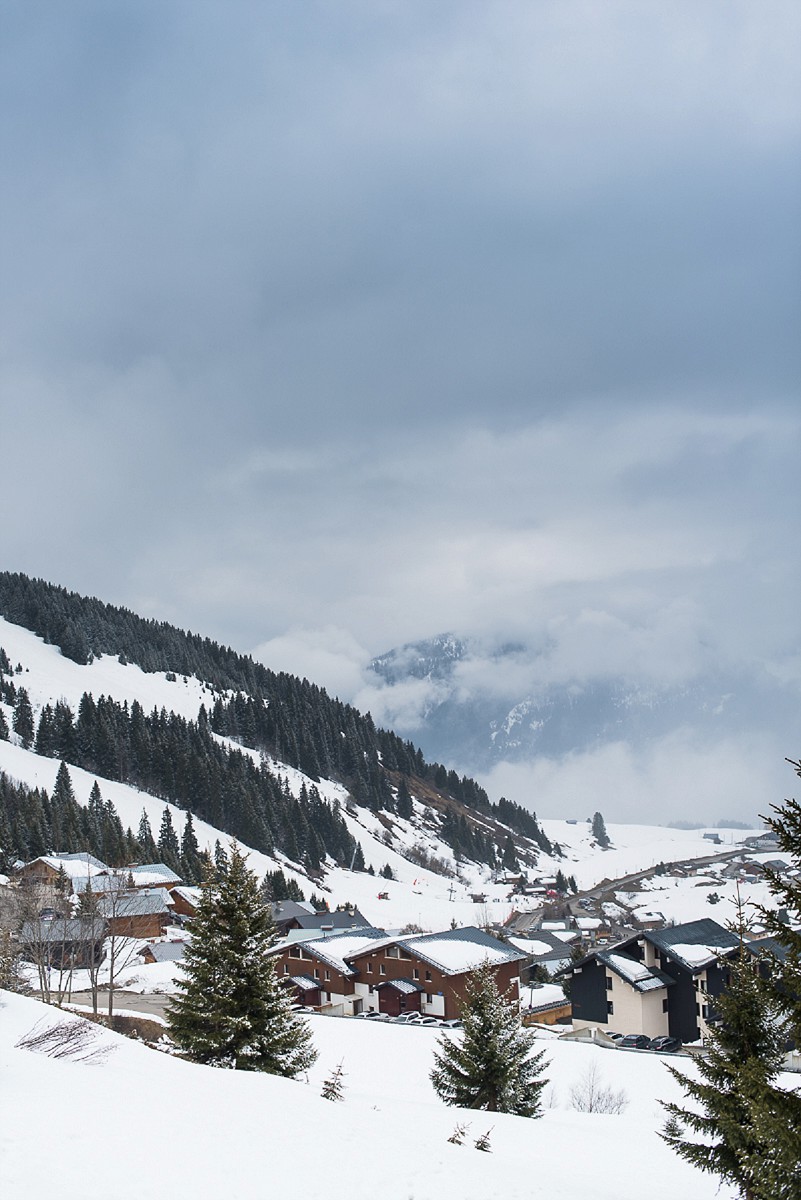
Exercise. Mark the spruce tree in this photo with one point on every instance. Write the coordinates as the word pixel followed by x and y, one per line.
pixel 599 831
pixel 231 1010
pixel 776 1112
pixel 735 1081
pixel 145 838
pixel 190 852
pixel 169 847
pixel 22 720
pixel 492 1065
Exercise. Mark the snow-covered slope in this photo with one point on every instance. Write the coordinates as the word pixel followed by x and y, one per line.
pixel 100 1127
pixel 416 895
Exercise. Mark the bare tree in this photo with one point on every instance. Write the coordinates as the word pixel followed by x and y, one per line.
pixel 122 945
pixel 591 1094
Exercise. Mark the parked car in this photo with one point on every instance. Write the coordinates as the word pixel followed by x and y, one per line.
pixel 635 1041
pixel 616 1037
pixel 453 1023
pixel 407 1018
pixel 666 1045
pixel 428 1021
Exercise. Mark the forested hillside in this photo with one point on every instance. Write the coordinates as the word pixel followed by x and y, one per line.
pixel 206 765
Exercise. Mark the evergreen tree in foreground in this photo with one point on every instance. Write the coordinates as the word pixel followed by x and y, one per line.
pixel 231 1010
pixel 731 1112
pixel 491 1066
pixel 776 1112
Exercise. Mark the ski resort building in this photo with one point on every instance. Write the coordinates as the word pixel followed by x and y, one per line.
pixel 367 970
pixel 656 982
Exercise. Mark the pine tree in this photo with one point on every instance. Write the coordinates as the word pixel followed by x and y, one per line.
pixel 168 847
pixel 190 852
pixel 146 840
pixel 230 1010
pixel 735 1080
pixel 509 860
pixel 22 720
pixel 599 831
pixel 776 1112
pixel 491 1066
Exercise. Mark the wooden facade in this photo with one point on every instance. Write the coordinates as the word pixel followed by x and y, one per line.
pixel 442 993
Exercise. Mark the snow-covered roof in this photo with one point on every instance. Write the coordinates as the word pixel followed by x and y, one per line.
pixel 458 950
pixel 333 949
pixel 588 923
pixel 541 997
pixel 167 951
pixel 534 948
pixel 73 865
pixel 694 944
pixel 134 904
pixel 697 956
pixel 62 929
pixel 153 873
pixel 641 978
pixel 407 986
pixel 304 983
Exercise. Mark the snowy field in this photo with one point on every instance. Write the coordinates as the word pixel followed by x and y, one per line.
pixel 103 1128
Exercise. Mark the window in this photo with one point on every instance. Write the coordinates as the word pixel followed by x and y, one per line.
pixel 328 997
pixel 392 952
pixel 296 952
pixel 369 968
pixel 428 976
pixel 705 1011
pixel 316 973
pixel 665 1004
pixel 286 969
pixel 610 1008
pixel 416 973
pixel 609 983
pixel 382 970
pixel 328 974
pixel 429 998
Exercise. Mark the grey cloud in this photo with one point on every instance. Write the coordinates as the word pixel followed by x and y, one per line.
pixel 331 326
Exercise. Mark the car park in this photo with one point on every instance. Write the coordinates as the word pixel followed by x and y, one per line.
pixel 666 1045
pixel 635 1041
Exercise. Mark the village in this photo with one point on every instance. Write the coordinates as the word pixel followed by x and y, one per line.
pixel 598 963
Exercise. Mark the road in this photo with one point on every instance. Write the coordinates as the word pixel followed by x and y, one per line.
pixel 150 1004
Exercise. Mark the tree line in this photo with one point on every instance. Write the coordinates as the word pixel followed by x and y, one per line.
pixel 289 719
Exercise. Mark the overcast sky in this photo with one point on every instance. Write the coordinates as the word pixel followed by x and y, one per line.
pixel 331 326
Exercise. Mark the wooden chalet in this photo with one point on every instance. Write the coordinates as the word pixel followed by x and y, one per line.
pixel 430 973
pixel 365 970
pixel 184 900
pixel 63 942
pixel 316 969
pixel 141 914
